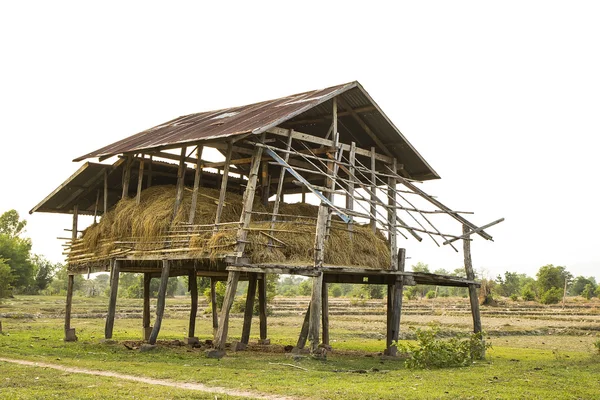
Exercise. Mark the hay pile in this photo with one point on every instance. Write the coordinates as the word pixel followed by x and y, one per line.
pixel 146 226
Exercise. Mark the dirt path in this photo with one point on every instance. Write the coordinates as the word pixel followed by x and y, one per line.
pixel 151 381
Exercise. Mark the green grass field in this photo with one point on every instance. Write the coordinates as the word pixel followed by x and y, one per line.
pixel 538 352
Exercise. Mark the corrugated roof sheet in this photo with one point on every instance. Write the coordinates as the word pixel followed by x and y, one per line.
pixel 259 117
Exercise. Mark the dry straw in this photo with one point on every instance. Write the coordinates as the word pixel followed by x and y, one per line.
pixel 150 226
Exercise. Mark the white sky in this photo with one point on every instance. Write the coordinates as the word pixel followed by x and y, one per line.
pixel 501 98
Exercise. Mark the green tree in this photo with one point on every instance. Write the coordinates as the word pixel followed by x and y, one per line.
pixel 580 283
pixel 11 225
pixel 44 272
pixel 16 252
pixel 549 277
pixel 59 283
pixel 6 279
pixel 588 291
pixel 305 287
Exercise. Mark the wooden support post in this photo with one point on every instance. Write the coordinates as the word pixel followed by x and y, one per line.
pixel 246 215
pixel 221 337
pixel 197 178
pixel 397 304
pixel 304 331
pixel 325 313
pixel 138 195
pixel 160 304
pixel 389 317
pixel 105 193
pixel 126 178
pixel 279 197
pixel 373 223
pixel 303 198
pixel 317 289
pixel 146 329
pixel 193 284
pixel 180 181
pixel 214 309
pixel 149 180
pixel 96 206
pixel 223 184
pixel 350 194
pixel 262 308
pixel 69 332
pixel 112 301
pixel 264 183
pixel 393 239
pixel 471 276
pixel 249 309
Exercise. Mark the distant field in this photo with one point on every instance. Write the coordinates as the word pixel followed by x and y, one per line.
pixel 538 351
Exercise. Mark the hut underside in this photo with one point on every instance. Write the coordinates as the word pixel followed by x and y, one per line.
pixel 331 155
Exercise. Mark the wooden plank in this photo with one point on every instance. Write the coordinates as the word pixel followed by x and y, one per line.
pixel 160 305
pixel 223 184
pixel 304 331
pixel 274 270
pixel 249 308
pixel 197 178
pixel 139 183
pixel 193 283
pixel 213 302
pixel 180 181
pixel 112 302
pixel 262 306
pixel 221 337
pixel 305 137
pixel 473 298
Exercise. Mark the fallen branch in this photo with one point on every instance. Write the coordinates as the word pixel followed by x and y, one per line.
pixel 289 365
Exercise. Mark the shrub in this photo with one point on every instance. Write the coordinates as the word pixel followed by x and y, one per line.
pixel 588 291
pixel 335 290
pixel 527 294
pixel 411 293
pixel 551 296
pixel 430 294
pixel 514 297
pixel 432 352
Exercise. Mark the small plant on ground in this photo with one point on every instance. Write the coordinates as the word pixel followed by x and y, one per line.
pixel 430 294
pixel 597 346
pixel 514 297
pixel 551 296
pixel 433 352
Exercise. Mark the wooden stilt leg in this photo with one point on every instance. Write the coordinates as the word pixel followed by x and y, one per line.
pixel 389 316
pixel 160 305
pixel 325 313
pixel 232 282
pixel 397 304
pixel 112 302
pixel 249 308
pixel 146 329
pixel 69 332
pixel 473 298
pixel 304 331
pixel 262 309
pixel 315 313
pixel 213 303
pixel 193 284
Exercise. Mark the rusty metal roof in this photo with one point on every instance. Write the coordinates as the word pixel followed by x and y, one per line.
pixel 305 112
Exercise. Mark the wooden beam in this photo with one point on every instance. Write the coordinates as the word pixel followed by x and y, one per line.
pixel 470 232
pixel 146 307
pixel 126 177
pixel 197 178
pixel 326 118
pixel 393 239
pixel 365 127
pixel 160 305
pixel 105 203
pixel 112 302
pixel 286 157
pixel 316 298
pixel 223 185
pixel 305 137
pixel 350 194
pixel 264 183
pixel 325 313
pixel 69 334
pixel 397 302
pixel 249 308
pixel 139 183
pixel 180 181
pixel 373 222
pixel 149 178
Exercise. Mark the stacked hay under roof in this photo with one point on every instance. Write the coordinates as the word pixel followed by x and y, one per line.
pixel 150 227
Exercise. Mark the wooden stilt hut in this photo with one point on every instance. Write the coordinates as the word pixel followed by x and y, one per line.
pixel 166 210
